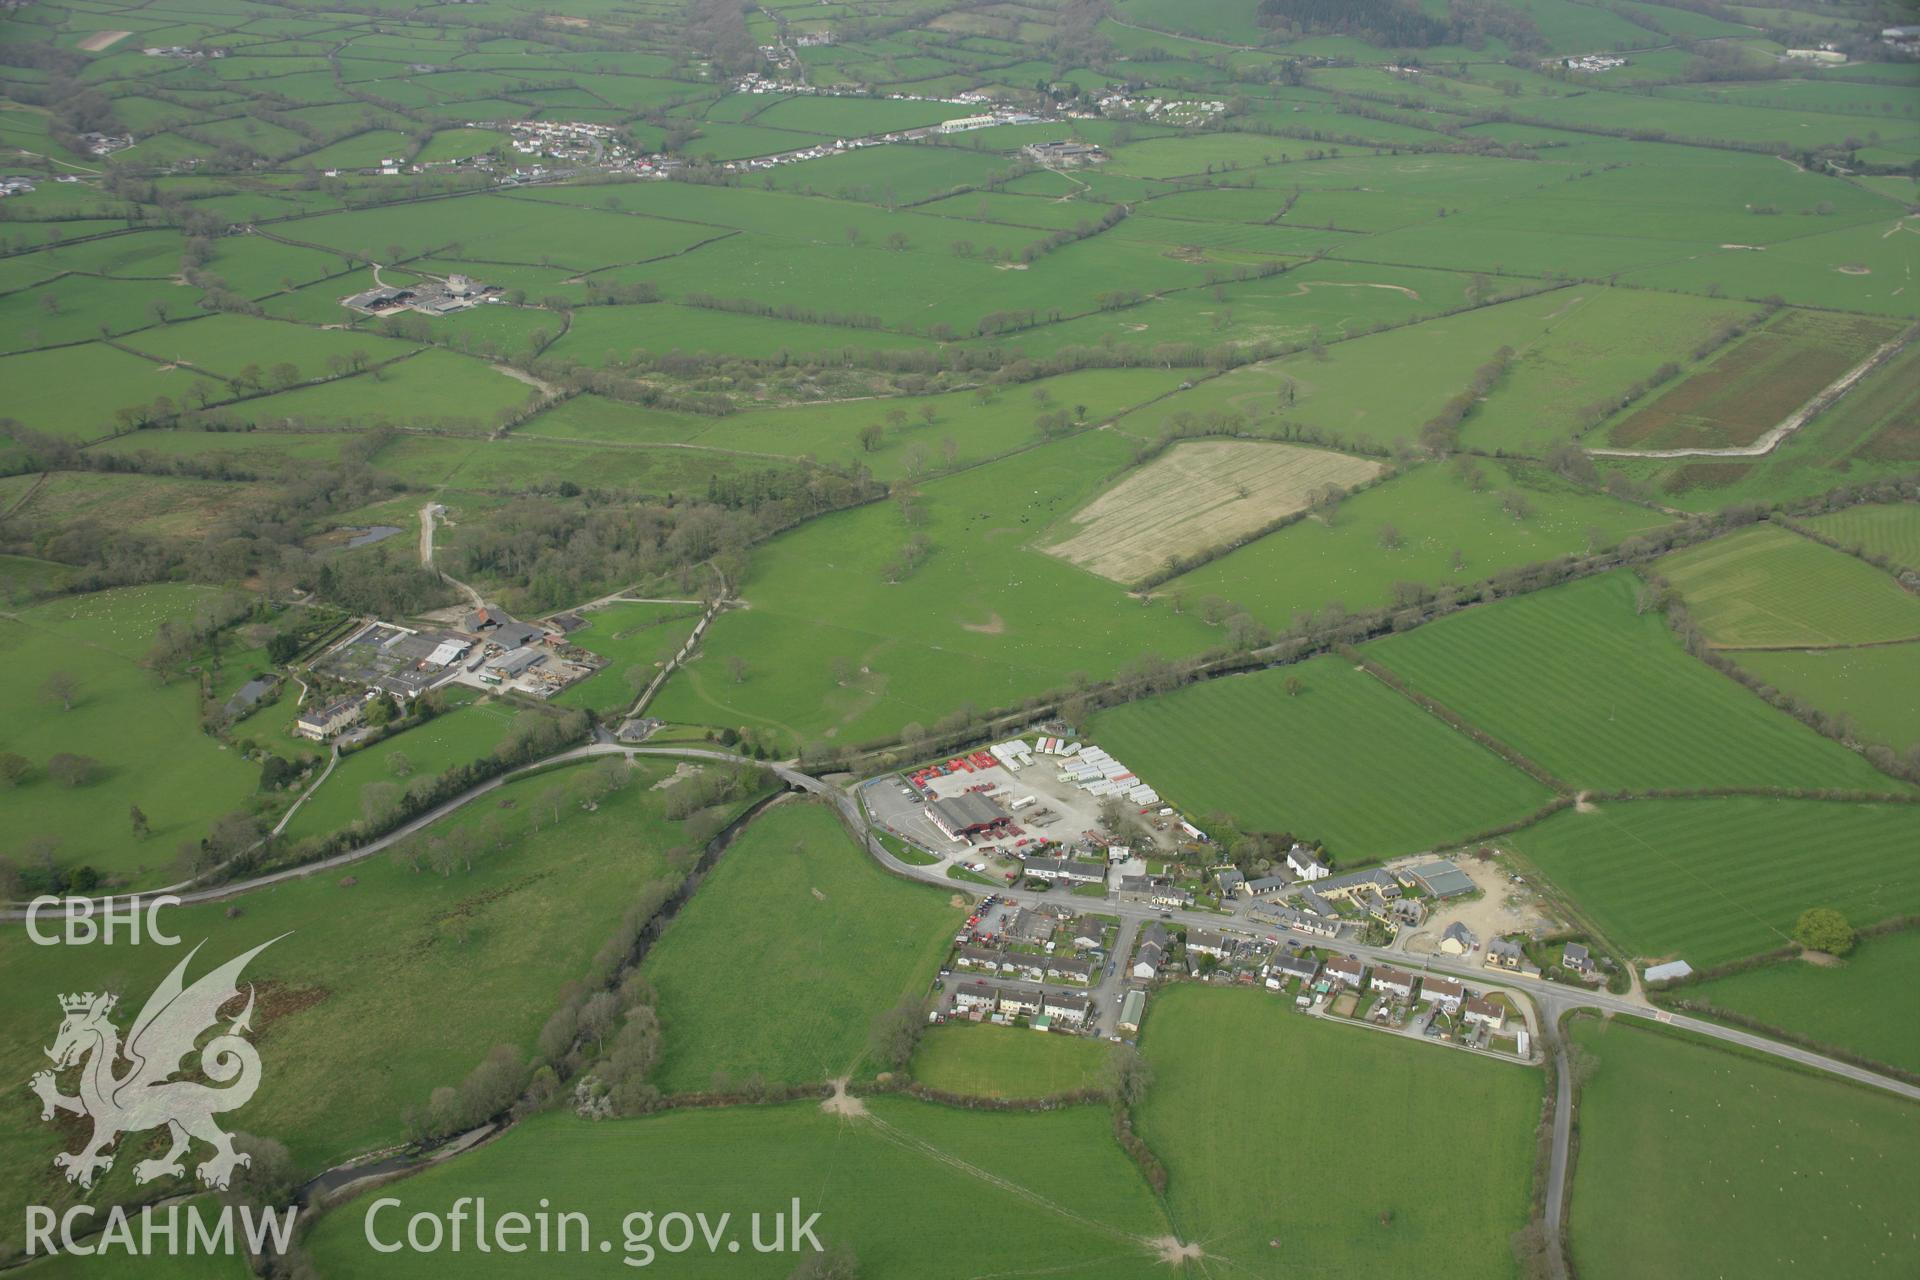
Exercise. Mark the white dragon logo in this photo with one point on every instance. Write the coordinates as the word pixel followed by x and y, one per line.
pixel 144 1096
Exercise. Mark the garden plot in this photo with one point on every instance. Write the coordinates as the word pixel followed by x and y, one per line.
pixel 1199 495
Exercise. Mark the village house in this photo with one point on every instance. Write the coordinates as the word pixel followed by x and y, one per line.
pixel 1458 940
pixel 1288 918
pixel 1355 885
pixel 1069 969
pixel 1305 864
pixel 972 996
pixel 1153 892
pixel 1503 953
pixel 1319 906
pixel 1485 1013
pixel 1577 958
pixel 1208 942
pixel 1150 954
pixel 328 720
pixel 1347 970
pixel 1068 1008
pixel 1304 967
pixel 982 959
pixel 1444 992
pixel 1016 1002
pixel 1230 881
pixel 1394 982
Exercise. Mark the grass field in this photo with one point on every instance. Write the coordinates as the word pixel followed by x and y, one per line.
pixel 458 736
pixel 1890 529
pixel 1370 1096
pixel 793 946
pixel 1198 495
pixel 494 945
pixel 143 733
pixel 1766 587
pixel 1790 1169
pixel 984 619
pixel 1347 761
pixel 1713 880
pixel 628 635
pixel 1878 689
pixel 906 1189
pixel 1604 697
pixel 1436 514
pixel 1586 355
pixel 1842 1005
pixel 1006 1062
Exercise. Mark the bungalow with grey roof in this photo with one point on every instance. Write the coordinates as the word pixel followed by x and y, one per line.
pixel 1303 967
pixel 1209 942
pixel 1266 887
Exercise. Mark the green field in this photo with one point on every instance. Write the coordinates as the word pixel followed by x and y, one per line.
pixel 1790 1169
pixel 1006 1062
pixel 1347 761
pixel 1441 520
pixel 1588 356
pixel 794 945
pixel 1371 1094
pixel 1877 689
pixel 985 619
pixel 906 1189
pixel 1842 1004
pixel 627 635
pixel 142 732
pixel 1889 529
pixel 1767 587
pixel 494 944
pixel 1604 697
pixel 1717 879
pixel 456 737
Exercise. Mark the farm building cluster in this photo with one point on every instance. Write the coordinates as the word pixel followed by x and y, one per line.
pixel 491 650
pixel 427 296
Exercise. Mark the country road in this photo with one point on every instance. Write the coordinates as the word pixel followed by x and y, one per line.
pixel 428 514
pixel 1552 1001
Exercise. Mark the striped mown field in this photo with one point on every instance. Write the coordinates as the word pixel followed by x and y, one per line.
pixel 1347 760
pixel 1891 529
pixel 1879 688
pixel 1766 586
pixel 1712 880
pixel 1606 698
